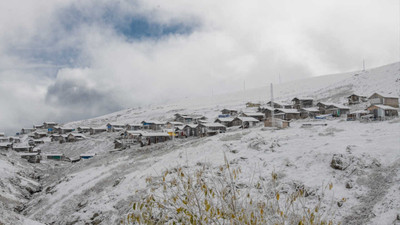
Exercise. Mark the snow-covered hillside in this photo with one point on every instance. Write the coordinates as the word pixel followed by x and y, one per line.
pixel 101 190
pixel 330 88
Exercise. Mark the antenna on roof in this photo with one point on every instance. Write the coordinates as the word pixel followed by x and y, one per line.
pixel 244 90
pixel 279 78
pixel 363 65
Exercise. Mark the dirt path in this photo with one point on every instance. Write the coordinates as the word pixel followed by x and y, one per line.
pixel 380 180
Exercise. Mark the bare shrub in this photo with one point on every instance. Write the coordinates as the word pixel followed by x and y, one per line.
pixel 208 196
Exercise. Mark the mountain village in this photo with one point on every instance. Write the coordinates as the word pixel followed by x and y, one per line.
pixel 374 108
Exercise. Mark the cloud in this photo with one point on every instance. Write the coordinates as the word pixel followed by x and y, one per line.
pixel 72 92
pixel 82 58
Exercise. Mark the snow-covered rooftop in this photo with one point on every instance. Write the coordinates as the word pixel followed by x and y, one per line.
pixel 225 119
pixel 386 107
pixel 247 119
pixel 291 111
pixel 311 109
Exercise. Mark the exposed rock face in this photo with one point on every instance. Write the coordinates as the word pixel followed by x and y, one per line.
pixel 349 185
pixel 340 162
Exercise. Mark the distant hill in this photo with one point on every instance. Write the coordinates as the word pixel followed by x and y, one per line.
pixel 332 88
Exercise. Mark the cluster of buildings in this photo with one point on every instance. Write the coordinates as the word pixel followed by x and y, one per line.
pixel 276 114
pixel 380 107
pixel 48 131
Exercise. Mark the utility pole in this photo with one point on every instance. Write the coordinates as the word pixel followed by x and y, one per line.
pixel 363 65
pixel 279 78
pixel 244 91
pixel 272 106
pixel 173 132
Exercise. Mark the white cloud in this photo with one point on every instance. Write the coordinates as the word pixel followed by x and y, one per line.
pixel 230 41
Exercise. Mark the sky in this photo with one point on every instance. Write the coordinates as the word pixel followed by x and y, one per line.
pixel 65 60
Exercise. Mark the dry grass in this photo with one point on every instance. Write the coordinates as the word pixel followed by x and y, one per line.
pixel 208 196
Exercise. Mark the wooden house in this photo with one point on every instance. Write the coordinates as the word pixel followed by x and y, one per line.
pixel 381 99
pixel 281 105
pixel 83 129
pixel 31 142
pixel 31 157
pixel 324 106
pixel 356 99
pixel 131 134
pixel 72 137
pixel 14 139
pixel 115 127
pixel 180 132
pixel 383 111
pixel 97 130
pixel 47 125
pixel 58 137
pixel 357 115
pixel 252 105
pixel 38 142
pixel 38 126
pixel 27 130
pixel 187 119
pixel 227 121
pixel 55 156
pixel 229 112
pixel 172 124
pixel 51 127
pixel 337 110
pixel 22 148
pixel 129 137
pixel 209 129
pixel 245 122
pixel 287 114
pixel 256 115
pixel 118 144
pixel 39 134
pixel 134 126
pixel 148 138
pixel 267 110
pixel 6 145
pixel 309 112
pixel 279 123
pixel 152 125
pixel 64 130
pixel 304 102
pixel 202 121
pixel 4 139
pixel 191 130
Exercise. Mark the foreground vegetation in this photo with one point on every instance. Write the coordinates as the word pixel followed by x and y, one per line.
pixel 215 196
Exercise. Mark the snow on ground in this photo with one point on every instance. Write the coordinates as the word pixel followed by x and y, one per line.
pixel 106 184
pixel 18 182
pixel 101 189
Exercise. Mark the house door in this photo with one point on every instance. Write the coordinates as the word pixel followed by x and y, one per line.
pixel 375 112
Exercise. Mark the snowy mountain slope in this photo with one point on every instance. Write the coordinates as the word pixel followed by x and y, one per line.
pixel 385 80
pixel 101 190
pixel 331 88
pixel 18 183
